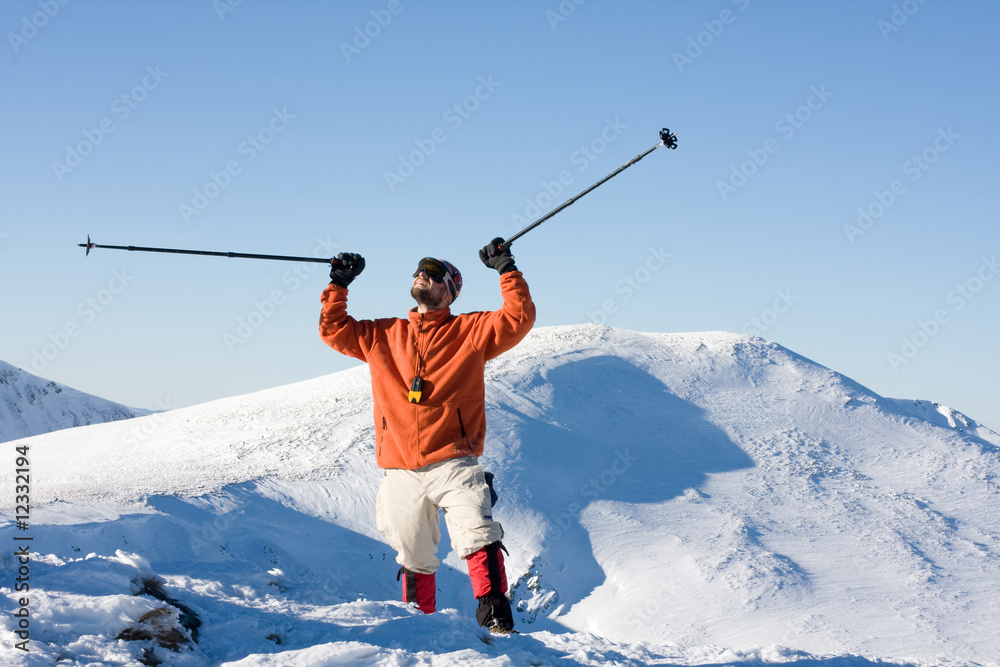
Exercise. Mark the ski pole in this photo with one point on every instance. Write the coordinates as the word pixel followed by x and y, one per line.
pixel 667 138
pixel 242 255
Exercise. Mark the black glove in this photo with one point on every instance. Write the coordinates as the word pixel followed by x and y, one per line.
pixel 497 257
pixel 345 268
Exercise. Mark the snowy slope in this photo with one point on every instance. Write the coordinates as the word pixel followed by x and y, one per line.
pixel 30 405
pixel 667 499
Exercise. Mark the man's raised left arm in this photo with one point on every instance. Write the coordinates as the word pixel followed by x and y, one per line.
pixel 505 328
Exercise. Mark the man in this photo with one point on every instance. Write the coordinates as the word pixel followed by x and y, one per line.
pixel 430 419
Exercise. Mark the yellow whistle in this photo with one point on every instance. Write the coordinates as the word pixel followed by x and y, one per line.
pixel 416 389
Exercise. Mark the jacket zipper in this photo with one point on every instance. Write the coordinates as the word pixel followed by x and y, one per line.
pixel 416 348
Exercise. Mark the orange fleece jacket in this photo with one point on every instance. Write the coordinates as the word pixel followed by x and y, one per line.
pixel 450 420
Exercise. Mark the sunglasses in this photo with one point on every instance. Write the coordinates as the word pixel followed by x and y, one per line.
pixel 434 269
pixel 438 273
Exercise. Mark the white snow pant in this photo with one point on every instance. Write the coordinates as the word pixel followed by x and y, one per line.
pixel 406 511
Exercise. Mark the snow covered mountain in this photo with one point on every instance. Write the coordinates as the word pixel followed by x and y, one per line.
pixel 705 498
pixel 30 405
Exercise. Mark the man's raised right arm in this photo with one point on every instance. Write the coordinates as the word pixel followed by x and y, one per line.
pixel 338 329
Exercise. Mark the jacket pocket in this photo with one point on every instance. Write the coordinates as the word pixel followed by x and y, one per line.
pixel 461 427
pixel 381 437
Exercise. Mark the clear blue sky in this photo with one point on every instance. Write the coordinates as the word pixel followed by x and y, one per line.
pixel 835 188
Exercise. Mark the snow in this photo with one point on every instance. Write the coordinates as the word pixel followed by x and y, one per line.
pixel 30 405
pixel 668 499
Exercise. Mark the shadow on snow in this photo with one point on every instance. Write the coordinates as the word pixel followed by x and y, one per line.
pixel 612 432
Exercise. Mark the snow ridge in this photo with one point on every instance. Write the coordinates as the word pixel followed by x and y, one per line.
pixel 30 405
pixel 703 498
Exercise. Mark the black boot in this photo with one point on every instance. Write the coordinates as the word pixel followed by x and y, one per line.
pixel 494 613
